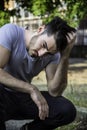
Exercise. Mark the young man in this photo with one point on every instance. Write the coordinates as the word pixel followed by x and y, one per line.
pixel 23 54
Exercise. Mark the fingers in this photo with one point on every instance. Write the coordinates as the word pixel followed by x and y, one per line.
pixel 71 37
pixel 43 110
pixel 41 103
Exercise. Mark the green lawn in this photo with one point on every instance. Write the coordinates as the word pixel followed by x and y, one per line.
pixel 77 94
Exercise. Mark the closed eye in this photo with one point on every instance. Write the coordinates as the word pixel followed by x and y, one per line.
pixel 45 45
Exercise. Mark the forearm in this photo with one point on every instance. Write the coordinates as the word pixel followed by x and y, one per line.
pixel 59 81
pixel 36 96
pixel 14 83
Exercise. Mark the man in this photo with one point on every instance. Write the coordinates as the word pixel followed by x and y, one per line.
pixel 23 54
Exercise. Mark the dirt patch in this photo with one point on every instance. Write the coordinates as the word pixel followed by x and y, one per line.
pixel 77 72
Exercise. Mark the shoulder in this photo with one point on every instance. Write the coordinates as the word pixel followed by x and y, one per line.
pixel 8 35
pixel 8 25
pixel 9 28
pixel 10 31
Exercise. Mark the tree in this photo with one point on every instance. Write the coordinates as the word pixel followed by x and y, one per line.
pixel 4 15
pixel 71 10
pixel 2 5
pixel 4 18
pixel 76 10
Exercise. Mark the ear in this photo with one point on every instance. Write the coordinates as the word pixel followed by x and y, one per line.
pixel 41 29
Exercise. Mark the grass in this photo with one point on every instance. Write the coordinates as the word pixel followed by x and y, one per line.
pixel 77 82
pixel 77 95
pixel 71 126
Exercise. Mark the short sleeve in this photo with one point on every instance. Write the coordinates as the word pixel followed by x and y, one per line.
pixel 8 35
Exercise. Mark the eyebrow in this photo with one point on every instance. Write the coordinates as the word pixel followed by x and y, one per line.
pixel 46 45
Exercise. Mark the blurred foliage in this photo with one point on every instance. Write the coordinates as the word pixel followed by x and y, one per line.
pixel 71 10
pixel 4 18
pixel 76 10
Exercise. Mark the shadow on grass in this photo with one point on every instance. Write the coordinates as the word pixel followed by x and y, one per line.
pixel 78 68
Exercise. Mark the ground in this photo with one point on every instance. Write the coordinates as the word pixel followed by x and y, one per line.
pixel 78 71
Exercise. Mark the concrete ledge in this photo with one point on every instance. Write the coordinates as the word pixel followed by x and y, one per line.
pixel 81 113
pixel 15 124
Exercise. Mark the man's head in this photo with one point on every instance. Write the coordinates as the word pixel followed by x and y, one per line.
pixel 50 39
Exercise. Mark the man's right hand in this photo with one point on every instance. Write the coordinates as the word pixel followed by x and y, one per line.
pixel 71 40
pixel 41 103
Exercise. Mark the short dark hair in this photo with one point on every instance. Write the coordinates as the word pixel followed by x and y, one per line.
pixel 60 29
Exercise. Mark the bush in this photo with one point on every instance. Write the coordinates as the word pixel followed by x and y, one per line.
pixel 4 18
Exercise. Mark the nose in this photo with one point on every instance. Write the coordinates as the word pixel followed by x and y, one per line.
pixel 42 52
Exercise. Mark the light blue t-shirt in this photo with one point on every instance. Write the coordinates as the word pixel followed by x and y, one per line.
pixel 21 65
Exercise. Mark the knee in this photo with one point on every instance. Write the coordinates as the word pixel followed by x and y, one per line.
pixel 68 112
pixel 62 114
pixel 66 115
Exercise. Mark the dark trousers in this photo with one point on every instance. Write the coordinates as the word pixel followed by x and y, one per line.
pixel 19 106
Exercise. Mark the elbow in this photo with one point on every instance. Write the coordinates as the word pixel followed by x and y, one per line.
pixel 57 90
pixel 53 93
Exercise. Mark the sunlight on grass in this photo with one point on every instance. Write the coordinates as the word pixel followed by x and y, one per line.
pixel 77 94
pixel 71 126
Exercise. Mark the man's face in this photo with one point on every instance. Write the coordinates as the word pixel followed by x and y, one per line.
pixel 41 45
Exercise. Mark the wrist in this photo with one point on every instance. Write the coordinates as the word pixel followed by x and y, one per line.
pixel 65 55
pixel 29 88
pixel 64 58
pixel 32 88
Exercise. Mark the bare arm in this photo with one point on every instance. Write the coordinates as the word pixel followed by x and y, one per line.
pixel 19 85
pixel 57 82
pixel 6 78
pixel 57 74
